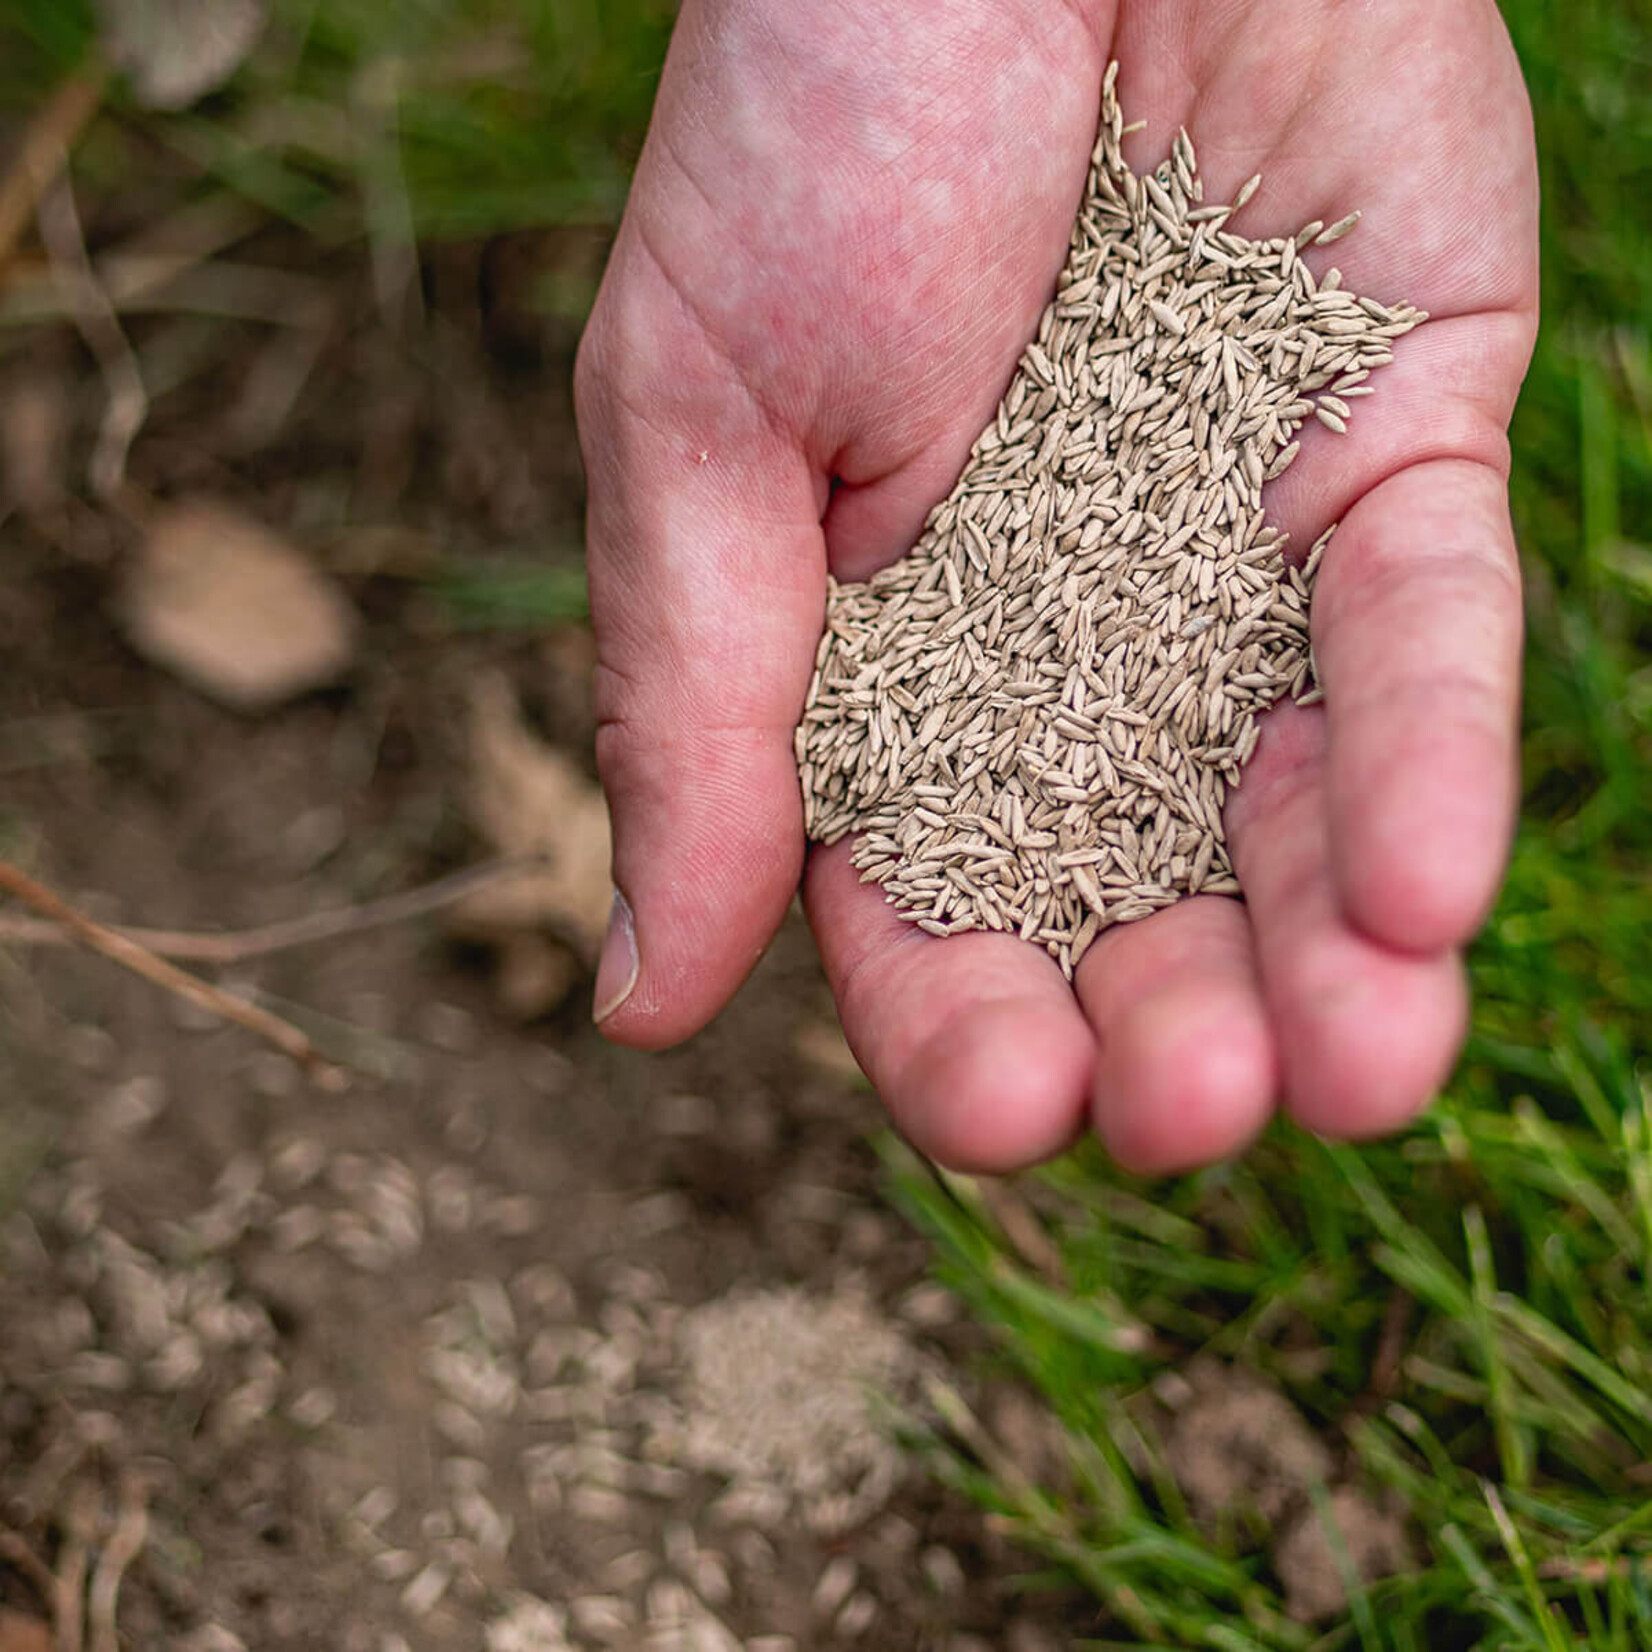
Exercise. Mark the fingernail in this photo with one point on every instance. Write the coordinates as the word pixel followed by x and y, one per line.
pixel 617 972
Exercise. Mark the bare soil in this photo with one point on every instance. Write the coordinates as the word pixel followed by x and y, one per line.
pixel 409 1367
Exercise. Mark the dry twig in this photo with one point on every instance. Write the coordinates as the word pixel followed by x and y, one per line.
pixel 100 326
pixel 191 988
pixel 44 148
pixel 81 1523
pixel 17 1553
pixel 124 1546
pixel 237 946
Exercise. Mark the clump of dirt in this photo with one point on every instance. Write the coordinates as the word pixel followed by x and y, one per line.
pixel 1239 1445
pixel 778 1395
pixel 1239 1449
pixel 1372 1541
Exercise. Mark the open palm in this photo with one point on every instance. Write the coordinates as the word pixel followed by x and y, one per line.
pixel 843 229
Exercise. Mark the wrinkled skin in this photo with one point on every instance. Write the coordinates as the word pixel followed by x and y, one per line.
pixel 845 224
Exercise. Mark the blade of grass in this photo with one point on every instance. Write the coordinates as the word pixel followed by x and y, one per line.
pixel 1512 1449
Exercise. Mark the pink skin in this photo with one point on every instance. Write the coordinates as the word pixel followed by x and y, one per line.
pixel 844 226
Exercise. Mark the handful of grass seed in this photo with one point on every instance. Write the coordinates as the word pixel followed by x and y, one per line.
pixel 1034 717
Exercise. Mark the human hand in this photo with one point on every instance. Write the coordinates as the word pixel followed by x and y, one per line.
pixel 843 229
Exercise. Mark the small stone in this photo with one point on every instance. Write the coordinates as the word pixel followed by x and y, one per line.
pixel 513 1215
pixel 374 1507
pixel 231 607
pixel 272 1075
pixel 314 1408
pixel 297 1162
pixel 942 1571
pixel 459 1427
pixel 172 59
pixel 127 1108
pixel 629 1570
pixel 466 1129
pixel 866 1234
pixel 91 1049
pixel 603 1617
pixel 834 1586
pixel 754 1552
pixel 421 1597
pixel 859 1613
pixel 543 1289
pixel 451 1197
pixel 896 1538
pixel 529 1625
pixel 600 1504
pixel 928 1306
pixel 709 1574
pixel 212 1637
pixel 297 1227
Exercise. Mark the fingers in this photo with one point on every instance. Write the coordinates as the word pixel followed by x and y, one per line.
pixel 1367 1034
pixel 974 1042
pixel 707 580
pixel 1417 633
pixel 1188 1071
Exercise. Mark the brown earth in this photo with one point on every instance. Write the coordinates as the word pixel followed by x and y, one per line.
pixel 523 1341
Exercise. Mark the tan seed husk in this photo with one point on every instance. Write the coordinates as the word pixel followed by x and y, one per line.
pixel 1034 717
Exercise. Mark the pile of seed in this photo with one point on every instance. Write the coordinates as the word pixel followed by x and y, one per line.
pixel 1035 716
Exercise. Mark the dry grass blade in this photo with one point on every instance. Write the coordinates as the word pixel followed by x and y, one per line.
pixel 100 326
pixel 80 1530
pixel 41 154
pixel 125 1544
pixel 129 955
pixel 17 1553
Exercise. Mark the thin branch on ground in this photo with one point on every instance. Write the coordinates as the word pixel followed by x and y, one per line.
pixel 99 325
pixel 41 155
pixel 81 1521
pixel 237 946
pixel 125 1544
pixel 17 1554
pixel 191 988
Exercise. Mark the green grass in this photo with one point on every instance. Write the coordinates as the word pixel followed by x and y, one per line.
pixel 1516 1221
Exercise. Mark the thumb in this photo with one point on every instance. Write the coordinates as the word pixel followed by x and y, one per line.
pixel 708 575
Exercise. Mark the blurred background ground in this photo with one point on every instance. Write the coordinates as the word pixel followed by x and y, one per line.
pixel 471 1354
pixel 402 1367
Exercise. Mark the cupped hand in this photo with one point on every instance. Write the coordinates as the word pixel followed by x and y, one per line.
pixel 844 226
